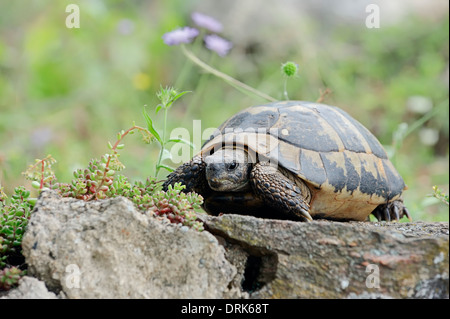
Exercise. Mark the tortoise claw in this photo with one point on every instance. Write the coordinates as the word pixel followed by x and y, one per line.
pixel 306 215
pixel 406 213
pixel 386 214
pixel 393 211
pixel 396 213
pixel 377 214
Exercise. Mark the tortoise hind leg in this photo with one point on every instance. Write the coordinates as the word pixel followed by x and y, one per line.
pixel 285 195
pixel 395 210
pixel 192 175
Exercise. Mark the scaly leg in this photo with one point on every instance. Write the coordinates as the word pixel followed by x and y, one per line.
pixel 191 174
pixel 286 195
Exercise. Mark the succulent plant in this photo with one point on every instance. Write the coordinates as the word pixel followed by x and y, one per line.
pixel 9 277
pixel 14 215
pixel 178 207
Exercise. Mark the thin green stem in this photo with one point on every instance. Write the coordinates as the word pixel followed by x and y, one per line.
pixel 114 152
pixel 163 147
pixel 230 80
pixel 163 144
pixel 285 89
pixel 165 125
pixel 159 161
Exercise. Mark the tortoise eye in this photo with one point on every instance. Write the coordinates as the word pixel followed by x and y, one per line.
pixel 232 165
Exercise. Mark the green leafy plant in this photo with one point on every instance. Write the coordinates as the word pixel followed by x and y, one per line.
pixel 167 97
pixel 439 194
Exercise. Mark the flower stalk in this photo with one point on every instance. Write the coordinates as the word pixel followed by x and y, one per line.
pixel 230 80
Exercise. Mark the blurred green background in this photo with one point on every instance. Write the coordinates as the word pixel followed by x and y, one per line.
pixel 67 92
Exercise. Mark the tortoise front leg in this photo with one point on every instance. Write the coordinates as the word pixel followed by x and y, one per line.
pixel 192 175
pixel 391 211
pixel 283 194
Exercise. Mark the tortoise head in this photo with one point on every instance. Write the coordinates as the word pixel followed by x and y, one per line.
pixel 228 170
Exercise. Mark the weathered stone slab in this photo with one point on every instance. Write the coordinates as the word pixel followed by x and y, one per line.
pixel 108 249
pixel 326 259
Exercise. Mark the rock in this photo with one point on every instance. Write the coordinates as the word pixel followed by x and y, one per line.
pixel 324 259
pixel 30 288
pixel 108 249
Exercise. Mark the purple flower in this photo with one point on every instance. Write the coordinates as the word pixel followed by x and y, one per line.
pixel 218 44
pixel 206 22
pixel 180 35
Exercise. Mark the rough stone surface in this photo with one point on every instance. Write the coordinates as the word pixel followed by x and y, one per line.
pixel 122 253
pixel 326 259
pixel 30 288
pixel 118 252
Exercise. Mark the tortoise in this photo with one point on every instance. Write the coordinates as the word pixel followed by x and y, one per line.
pixel 294 160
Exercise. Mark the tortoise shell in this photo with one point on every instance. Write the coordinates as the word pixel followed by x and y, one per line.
pixel 344 165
